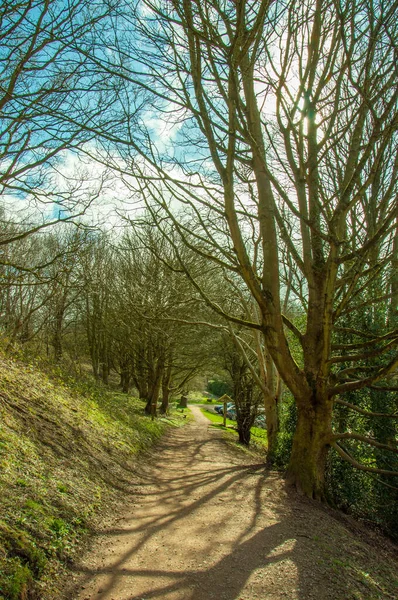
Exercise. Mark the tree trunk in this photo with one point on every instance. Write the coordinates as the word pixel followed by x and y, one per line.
pixel 151 405
pixel 311 441
pixel 164 407
pixel 244 426
pixel 141 384
pixel 95 363
pixel 125 381
pixel 105 369
pixel 393 308
pixel 272 424
pixel 244 417
pixel 57 342
pixel 271 390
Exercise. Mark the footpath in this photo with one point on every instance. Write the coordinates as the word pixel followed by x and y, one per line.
pixel 207 522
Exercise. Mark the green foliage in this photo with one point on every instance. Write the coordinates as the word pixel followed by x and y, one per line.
pixel 363 495
pixel 288 419
pixel 369 496
pixel 16 581
pixel 219 387
pixel 62 488
pixel 195 397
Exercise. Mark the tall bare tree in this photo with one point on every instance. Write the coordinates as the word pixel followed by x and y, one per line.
pixel 281 119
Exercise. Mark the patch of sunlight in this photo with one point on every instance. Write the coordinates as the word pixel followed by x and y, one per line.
pixel 278 571
pixel 285 547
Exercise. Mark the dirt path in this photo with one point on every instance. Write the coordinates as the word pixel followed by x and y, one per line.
pixel 206 523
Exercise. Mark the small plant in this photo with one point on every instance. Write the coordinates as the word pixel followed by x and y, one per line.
pixel 58 526
pixel 62 488
pixel 33 506
pixel 21 483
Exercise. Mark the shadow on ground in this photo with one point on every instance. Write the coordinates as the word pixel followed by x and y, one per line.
pixel 206 524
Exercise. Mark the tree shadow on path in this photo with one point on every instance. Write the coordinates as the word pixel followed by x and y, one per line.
pixel 205 528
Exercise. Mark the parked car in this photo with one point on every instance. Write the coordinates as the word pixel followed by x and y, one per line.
pixel 260 422
pixel 231 413
pixel 219 408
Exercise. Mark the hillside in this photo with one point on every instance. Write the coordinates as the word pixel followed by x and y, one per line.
pixel 67 451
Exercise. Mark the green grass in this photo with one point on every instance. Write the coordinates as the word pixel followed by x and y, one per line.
pixel 217 419
pixel 258 435
pixel 202 398
pixel 67 452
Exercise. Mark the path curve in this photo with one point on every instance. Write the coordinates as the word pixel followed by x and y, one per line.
pixel 206 523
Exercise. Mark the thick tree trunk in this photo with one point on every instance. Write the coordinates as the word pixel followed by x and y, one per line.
pixel 57 345
pixel 244 434
pixel 311 442
pixel 142 388
pixel 244 423
pixel 151 405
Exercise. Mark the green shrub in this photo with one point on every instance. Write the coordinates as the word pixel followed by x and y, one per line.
pixel 219 387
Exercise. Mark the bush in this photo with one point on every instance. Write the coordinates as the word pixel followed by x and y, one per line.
pixel 219 387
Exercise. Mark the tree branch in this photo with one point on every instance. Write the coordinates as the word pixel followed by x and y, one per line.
pixel 358 465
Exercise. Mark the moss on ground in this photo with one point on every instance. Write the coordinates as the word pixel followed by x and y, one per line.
pixel 67 450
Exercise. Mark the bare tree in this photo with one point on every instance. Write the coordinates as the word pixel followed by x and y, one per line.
pixel 285 118
pixel 48 96
pixel 166 347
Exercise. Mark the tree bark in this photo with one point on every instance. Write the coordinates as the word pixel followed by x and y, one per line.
pixel 151 405
pixel 244 422
pixel 164 407
pixel 125 381
pixel 311 442
pixel 272 423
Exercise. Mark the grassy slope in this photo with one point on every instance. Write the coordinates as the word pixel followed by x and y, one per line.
pixel 66 451
pixel 258 435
